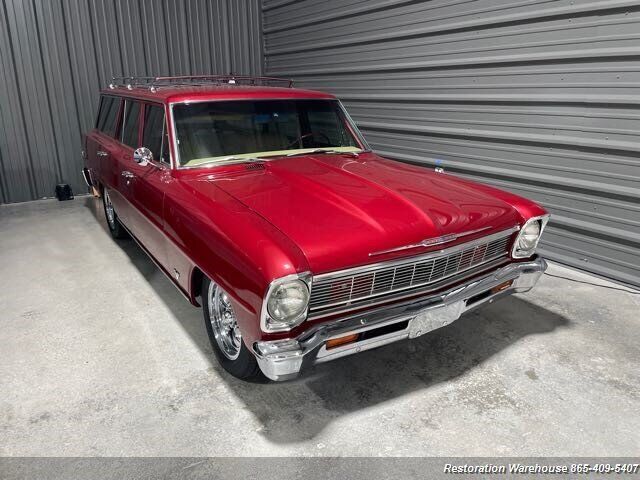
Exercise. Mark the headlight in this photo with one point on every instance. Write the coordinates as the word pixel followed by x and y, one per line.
pixel 529 236
pixel 286 304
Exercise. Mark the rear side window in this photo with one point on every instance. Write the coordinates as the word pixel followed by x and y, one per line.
pixel 131 124
pixel 154 133
pixel 108 115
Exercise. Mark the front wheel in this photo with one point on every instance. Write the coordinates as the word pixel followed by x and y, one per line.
pixel 224 333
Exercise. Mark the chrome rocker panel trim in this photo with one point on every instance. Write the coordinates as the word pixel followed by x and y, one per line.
pixel 284 359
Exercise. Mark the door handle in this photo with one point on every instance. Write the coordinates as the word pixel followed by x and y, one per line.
pixel 127 174
pixel 101 153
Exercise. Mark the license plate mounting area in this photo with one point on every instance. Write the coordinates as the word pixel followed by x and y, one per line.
pixel 433 318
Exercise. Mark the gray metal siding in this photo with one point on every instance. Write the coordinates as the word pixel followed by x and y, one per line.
pixel 56 55
pixel 541 98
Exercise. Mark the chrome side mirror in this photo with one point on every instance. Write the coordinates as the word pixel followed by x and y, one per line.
pixel 142 156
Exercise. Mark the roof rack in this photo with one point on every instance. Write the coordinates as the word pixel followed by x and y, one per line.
pixel 153 83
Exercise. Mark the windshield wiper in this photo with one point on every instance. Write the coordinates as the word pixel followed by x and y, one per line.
pixel 239 158
pixel 323 150
pixel 228 160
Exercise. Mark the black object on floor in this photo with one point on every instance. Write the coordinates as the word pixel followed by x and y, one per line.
pixel 64 192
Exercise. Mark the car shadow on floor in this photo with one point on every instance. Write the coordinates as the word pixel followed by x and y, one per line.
pixel 298 410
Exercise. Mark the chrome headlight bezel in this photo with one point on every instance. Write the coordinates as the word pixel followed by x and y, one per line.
pixel 269 324
pixel 516 251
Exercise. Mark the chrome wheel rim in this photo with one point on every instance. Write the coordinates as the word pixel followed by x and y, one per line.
pixel 223 322
pixel 108 209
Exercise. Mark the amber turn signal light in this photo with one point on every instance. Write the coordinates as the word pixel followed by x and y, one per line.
pixel 501 287
pixel 337 342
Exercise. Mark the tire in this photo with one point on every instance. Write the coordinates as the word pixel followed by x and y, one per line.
pixel 225 336
pixel 113 222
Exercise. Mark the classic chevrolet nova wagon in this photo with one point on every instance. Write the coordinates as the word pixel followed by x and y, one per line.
pixel 265 206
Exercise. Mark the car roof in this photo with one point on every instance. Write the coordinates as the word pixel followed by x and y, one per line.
pixel 189 93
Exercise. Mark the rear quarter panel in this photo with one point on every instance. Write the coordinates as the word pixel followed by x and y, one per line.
pixel 92 161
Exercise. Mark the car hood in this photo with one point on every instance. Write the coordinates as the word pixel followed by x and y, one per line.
pixel 344 211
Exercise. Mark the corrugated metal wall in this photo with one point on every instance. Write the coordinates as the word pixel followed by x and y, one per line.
pixel 538 97
pixel 56 54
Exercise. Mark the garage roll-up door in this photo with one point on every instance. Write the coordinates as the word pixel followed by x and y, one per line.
pixel 541 98
pixel 56 55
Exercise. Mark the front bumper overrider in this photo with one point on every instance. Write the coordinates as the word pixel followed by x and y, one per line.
pixel 284 359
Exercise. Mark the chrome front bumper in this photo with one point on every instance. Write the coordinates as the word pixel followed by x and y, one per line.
pixel 284 359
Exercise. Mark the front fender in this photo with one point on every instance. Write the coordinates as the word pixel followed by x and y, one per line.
pixel 233 246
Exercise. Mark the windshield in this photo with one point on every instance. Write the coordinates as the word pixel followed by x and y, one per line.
pixel 225 130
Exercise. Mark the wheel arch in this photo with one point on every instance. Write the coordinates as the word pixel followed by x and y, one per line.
pixel 195 285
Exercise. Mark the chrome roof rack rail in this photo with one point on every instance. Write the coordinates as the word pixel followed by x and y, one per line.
pixel 153 83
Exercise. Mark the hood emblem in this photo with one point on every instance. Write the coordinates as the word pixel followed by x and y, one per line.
pixel 430 242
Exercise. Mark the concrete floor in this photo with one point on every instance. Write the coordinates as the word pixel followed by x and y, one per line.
pixel 100 355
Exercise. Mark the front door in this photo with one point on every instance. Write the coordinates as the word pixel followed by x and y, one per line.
pixel 145 183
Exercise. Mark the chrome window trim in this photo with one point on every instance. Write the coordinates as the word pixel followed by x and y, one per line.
pixel 356 130
pixel 164 126
pixel 418 258
pixel 156 163
pixel 127 101
pixel 102 97
pixel 359 137
pixel 165 131
pixel 173 144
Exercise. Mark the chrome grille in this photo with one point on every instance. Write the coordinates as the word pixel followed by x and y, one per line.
pixel 354 285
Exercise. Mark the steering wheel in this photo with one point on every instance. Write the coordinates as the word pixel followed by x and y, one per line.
pixel 307 135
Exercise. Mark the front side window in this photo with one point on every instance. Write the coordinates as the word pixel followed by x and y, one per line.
pixel 154 133
pixel 108 115
pixel 131 124
pixel 215 131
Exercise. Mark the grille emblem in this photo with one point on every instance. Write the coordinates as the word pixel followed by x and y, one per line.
pixel 430 242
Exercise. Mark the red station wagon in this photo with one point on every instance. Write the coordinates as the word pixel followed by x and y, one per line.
pixel 264 204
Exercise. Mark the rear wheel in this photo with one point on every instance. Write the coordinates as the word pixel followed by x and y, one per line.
pixel 224 333
pixel 115 227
